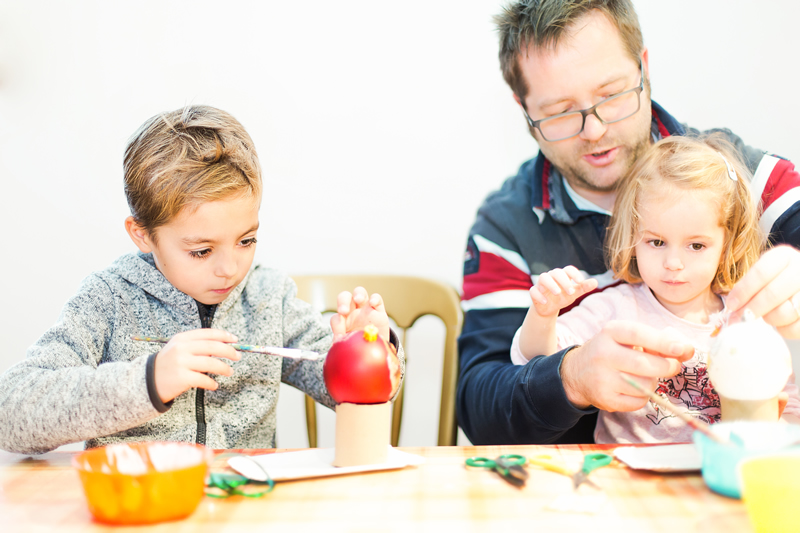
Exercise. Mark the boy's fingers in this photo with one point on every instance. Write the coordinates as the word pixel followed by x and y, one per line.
pixel 201 381
pixel 338 326
pixel 214 349
pixel 360 296
pixel 344 303
pixel 210 365
pixel 376 302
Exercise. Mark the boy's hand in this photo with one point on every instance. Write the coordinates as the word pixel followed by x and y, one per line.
pixel 186 359
pixel 558 288
pixel 356 310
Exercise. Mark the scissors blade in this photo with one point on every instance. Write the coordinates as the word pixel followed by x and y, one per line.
pixel 511 476
pixel 591 462
pixel 511 471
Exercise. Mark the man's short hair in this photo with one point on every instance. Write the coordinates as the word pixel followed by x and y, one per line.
pixel 542 23
pixel 184 158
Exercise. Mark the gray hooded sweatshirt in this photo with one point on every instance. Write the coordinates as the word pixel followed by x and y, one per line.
pixel 86 380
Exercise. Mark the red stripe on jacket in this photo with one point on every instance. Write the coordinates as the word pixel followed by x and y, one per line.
pixel 782 178
pixel 495 274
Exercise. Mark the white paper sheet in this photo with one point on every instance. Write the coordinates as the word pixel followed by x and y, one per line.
pixel 316 462
pixel 663 458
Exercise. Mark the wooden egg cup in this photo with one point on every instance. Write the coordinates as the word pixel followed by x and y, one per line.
pixel 362 433
pixel 761 410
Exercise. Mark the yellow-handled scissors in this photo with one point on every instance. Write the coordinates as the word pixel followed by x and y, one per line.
pixel 591 462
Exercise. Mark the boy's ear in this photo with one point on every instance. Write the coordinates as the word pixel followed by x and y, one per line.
pixel 138 235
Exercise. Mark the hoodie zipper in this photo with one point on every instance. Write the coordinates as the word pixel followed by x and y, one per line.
pixel 206 316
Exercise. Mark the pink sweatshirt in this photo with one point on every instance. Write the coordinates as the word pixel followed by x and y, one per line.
pixel 690 390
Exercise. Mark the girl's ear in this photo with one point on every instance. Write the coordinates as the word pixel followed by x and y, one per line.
pixel 138 235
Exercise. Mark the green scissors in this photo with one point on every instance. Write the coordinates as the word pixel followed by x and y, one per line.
pixel 508 466
pixel 223 485
pixel 591 462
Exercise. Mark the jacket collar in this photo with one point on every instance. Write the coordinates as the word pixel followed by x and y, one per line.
pixel 547 187
pixel 140 270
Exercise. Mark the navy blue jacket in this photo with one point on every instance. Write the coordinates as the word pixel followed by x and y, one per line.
pixel 530 226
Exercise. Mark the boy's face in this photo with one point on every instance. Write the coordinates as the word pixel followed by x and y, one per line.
pixel 206 252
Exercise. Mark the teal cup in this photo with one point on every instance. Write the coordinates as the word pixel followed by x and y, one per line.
pixel 720 461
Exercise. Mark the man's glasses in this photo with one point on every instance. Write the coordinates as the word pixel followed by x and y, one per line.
pixel 612 109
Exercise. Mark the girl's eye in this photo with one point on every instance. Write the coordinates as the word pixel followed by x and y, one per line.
pixel 657 243
pixel 696 246
pixel 200 254
pixel 248 242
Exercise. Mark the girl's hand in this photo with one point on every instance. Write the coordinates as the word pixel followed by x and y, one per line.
pixel 559 288
pixel 356 310
pixel 188 357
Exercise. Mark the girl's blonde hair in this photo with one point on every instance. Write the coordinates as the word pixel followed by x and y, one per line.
pixel 186 157
pixel 689 164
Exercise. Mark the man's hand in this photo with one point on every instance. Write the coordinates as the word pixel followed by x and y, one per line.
pixel 771 289
pixel 559 288
pixel 592 373
pixel 186 359
pixel 356 310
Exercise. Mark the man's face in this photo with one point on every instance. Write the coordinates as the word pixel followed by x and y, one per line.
pixel 589 65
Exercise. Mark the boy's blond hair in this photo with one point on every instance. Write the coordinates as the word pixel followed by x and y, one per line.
pixel 186 157
pixel 689 164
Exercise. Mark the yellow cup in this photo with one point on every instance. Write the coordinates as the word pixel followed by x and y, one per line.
pixel 771 492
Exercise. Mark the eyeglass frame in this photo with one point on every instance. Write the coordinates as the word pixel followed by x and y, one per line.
pixel 591 110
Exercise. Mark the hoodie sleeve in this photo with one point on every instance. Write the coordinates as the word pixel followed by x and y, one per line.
pixel 62 391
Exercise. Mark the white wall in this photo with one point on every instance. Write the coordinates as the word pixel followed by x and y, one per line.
pixel 380 127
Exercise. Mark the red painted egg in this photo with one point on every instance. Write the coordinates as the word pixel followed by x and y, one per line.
pixel 357 368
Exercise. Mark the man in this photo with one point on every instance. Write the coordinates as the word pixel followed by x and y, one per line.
pixel 579 72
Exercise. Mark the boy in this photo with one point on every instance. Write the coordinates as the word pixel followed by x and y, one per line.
pixel 193 184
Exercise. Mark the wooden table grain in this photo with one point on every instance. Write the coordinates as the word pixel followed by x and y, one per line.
pixel 43 494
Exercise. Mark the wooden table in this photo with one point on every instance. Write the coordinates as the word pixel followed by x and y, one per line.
pixel 43 493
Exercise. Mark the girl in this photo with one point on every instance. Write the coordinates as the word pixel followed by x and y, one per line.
pixel 685 230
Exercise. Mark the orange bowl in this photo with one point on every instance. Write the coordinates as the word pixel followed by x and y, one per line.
pixel 143 483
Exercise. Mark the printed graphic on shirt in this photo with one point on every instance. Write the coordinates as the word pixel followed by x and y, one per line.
pixel 690 391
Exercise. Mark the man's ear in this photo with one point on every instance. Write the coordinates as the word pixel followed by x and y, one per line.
pixel 645 63
pixel 138 235
pixel 516 99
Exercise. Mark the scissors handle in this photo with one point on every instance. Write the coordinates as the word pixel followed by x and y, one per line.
pixel 593 461
pixel 508 466
pixel 482 462
pixel 513 459
pixel 548 463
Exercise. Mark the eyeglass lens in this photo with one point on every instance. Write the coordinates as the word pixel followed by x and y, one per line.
pixel 613 109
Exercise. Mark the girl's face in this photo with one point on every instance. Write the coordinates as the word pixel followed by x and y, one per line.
pixel 207 252
pixel 679 251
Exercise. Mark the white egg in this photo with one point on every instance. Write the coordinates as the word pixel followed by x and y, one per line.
pixel 749 360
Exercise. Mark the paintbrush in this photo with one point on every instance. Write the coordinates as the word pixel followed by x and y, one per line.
pixel 290 353
pixel 696 424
